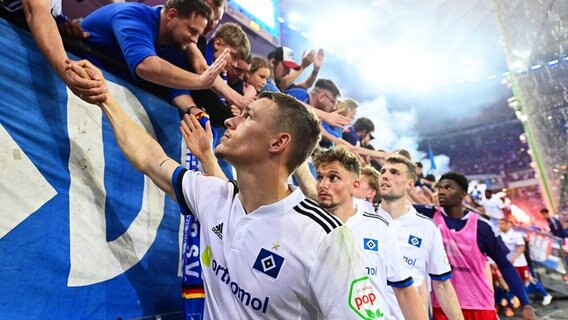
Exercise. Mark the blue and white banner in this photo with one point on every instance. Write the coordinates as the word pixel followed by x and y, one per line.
pixel 83 234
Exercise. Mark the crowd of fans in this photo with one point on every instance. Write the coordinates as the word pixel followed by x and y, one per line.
pixel 503 152
pixel 203 66
pixel 504 163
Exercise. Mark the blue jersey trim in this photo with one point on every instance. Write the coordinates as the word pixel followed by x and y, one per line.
pixel 177 178
pixel 441 277
pixel 401 284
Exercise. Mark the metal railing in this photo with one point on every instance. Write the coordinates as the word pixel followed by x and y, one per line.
pixel 546 250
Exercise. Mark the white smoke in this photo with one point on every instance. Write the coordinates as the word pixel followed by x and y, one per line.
pixel 395 129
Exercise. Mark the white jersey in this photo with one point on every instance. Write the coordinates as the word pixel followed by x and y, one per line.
pixel 287 260
pixel 513 240
pixel 422 248
pixel 493 207
pixel 383 260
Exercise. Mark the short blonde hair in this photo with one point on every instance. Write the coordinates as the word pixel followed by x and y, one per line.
pixel 373 176
pixel 345 105
pixel 348 159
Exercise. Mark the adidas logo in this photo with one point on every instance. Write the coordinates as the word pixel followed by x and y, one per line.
pixel 218 230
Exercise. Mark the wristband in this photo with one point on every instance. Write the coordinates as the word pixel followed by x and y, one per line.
pixel 62 18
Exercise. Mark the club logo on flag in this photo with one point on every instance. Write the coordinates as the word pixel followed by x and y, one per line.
pixel 415 241
pixel 371 244
pixel 269 263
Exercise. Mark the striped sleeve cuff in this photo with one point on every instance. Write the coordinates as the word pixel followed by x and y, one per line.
pixel 177 178
pixel 401 284
pixel 441 277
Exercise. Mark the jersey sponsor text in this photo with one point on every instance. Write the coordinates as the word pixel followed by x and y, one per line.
pixel 242 295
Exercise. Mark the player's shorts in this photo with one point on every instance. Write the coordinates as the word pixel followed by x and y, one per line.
pixel 523 273
pixel 467 314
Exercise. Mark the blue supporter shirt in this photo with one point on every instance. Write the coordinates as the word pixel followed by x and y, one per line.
pixel 128 33
pixel 490 244
pixel 350 135
pixel 270 86
pixel 299 93
pixel 334 131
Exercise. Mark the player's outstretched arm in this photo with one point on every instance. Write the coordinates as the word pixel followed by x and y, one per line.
pixel 45 32
pixel 137 145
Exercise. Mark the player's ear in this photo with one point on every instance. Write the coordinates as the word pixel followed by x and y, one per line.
pixel 280 142
pixel 356 185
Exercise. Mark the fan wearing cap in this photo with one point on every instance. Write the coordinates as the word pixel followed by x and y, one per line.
pixel 281 61
pixel 285 70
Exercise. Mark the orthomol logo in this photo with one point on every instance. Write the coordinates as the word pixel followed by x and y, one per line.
pixel 206 256
pixel 362 298
pixel 409 262
pixel 222 273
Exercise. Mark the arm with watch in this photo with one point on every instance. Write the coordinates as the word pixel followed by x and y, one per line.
pixel 185 104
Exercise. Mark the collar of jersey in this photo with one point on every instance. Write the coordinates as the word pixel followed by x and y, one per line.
pixel 280 207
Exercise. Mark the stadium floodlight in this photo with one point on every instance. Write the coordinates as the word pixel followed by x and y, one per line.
pixel 553 62
pixel 293 17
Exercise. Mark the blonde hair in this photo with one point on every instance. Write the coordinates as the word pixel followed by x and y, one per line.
pixel 348 159
pixel 373 176
pixel 344 106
